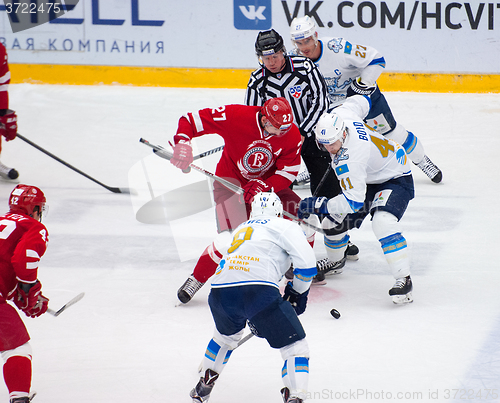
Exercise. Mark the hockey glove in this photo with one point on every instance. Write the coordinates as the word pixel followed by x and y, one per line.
pixel 312 205
pixel 9 125
pixel 253 187
pixel 30 300
pixel 183 155
pixel 298 301
pixel 357 87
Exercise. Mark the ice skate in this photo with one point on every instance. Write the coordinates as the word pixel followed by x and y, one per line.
pixel 430 169
pixel 25 399
pixel 352 251
pixel 188 289
pixel 302 180
pixel 401 291
pixel 201 392
pixel 285 394
pixel 319 279
pixel 8 173
pixel 327 267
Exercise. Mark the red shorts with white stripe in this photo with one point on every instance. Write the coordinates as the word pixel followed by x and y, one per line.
pixel 13 333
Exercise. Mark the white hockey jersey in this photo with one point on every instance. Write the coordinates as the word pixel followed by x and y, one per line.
pixel 341 62
pixel 366 157
pixel 260 254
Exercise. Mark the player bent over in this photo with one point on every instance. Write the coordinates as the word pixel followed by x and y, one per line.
pixel 376 178
pixel 351 69
pixel 261 152
pixel 245 288
pixel 23 240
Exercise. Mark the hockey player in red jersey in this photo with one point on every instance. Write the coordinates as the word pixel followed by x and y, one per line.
pixel 23 240
pixel 8 118
pixel 261 152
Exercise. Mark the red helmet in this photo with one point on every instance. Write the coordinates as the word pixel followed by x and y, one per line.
pixel 26 199
pixel 279 113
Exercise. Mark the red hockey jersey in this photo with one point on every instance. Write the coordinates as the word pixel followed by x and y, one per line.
pixel 249 153
pixel 4 78
pixel 23 241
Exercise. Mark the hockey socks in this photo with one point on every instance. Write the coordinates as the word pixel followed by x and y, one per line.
pixel 17 376
pixel 207 264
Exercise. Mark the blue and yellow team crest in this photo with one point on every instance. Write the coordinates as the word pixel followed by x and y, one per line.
pixel 401 156
pixel 221 266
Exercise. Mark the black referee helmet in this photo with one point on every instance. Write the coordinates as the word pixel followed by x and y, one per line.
pixel 269 43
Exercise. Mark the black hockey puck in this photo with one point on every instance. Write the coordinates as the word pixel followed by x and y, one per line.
pixel 335 313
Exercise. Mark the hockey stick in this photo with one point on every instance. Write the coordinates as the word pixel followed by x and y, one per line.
pixel 163 153
pixel 66 305
pixel 157 149
pixel 208 152
pixel 322 181
pixel 111 189
pixel 244 339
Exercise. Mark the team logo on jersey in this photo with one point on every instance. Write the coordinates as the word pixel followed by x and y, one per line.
pixel 296 91
pixel 335 45
pixel 401 156
pixel 220 267
pixel 341 156
pixel 257 160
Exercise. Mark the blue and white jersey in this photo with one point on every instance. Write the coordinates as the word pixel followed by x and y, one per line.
pixel 341 62
pixel 260 254
pixel 365 158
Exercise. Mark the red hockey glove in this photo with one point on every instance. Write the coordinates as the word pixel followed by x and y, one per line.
pixel 30 300
pixel 9 122
pixel 253 187
pixel 183 155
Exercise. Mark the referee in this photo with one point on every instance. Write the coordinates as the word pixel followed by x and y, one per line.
pixel 297 79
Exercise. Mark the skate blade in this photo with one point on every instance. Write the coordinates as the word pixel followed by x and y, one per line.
pixel 334 272
pixel 352 257
pixel 402 299
pixel 320 282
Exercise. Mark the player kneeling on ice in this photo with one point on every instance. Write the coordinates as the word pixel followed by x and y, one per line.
pixel 376 179
pixel 23 240
pixel 245 288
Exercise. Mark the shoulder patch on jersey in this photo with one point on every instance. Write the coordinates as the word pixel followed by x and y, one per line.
pixel 336 45
pixel 348 48
pixel 379 124
pixel 342 169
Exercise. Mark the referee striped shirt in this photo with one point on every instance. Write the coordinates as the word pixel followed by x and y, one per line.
pixel 300 82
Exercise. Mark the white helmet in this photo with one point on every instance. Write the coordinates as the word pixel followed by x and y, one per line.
pixel 329 129
pixel 266 203
pixel 302 27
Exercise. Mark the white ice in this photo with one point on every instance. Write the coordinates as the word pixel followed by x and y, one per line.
pixel 127 342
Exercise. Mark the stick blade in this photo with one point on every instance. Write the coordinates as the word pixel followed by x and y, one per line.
pixel 67 305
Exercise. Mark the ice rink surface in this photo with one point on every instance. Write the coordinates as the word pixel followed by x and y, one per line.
pixel 127 342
